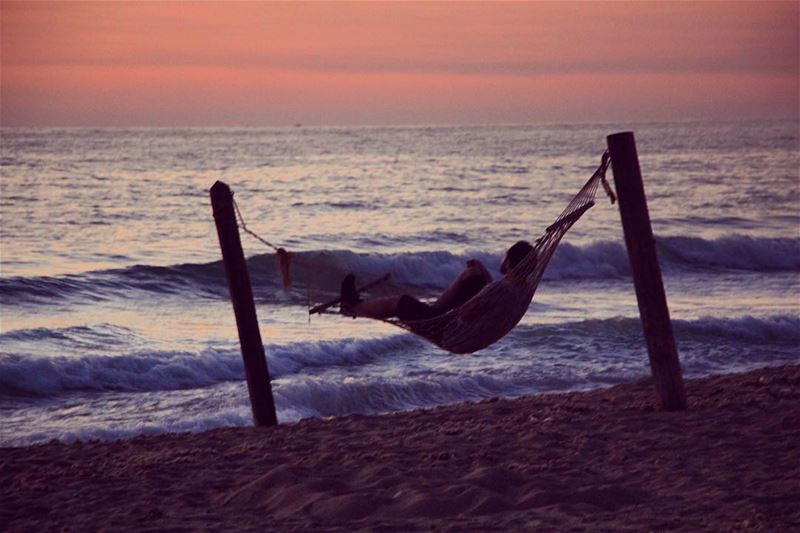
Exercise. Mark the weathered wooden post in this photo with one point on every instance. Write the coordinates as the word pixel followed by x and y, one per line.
pixel 641 246
pixel 255 362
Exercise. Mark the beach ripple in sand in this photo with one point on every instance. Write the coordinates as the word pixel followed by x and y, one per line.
pixel 600 460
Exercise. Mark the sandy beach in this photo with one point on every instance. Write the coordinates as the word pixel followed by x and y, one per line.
pixel 599 460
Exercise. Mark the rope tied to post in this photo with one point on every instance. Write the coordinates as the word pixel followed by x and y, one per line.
pixel 604 167
pixel 284 258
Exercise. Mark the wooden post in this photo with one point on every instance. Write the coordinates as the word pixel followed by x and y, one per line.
pixel 255 362
pixel 641 246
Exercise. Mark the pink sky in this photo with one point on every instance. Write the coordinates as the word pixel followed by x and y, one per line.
pixel 264 64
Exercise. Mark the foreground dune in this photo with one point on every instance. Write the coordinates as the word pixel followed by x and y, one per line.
pixel 600 460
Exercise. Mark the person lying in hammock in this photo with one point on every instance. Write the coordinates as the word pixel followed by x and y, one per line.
pixel 405 307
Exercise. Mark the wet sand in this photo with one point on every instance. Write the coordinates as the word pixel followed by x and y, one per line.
pixel 599 460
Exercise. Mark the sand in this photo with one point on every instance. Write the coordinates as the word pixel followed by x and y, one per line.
pixel 591 461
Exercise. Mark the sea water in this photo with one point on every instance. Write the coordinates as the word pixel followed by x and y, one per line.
pixel 115 318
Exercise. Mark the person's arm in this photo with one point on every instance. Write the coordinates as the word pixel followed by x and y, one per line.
pixel 475 273
pixel 479 270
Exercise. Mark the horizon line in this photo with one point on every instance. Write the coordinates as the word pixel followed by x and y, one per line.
pixel 300 125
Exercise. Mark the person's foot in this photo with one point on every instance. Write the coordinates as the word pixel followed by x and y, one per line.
pixel 349 294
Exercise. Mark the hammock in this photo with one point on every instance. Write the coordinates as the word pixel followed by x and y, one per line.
pixel 499 306
pixel 496 309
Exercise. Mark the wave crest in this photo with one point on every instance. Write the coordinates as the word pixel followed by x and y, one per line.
pixel 423 271
pixel 24 375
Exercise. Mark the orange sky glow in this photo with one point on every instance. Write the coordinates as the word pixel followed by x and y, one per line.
pixel 272 64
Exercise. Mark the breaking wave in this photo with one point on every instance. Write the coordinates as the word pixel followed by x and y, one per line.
pixel 27 375
pixel 418 270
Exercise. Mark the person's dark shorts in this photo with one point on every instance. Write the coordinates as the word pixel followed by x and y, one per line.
pixel 409 308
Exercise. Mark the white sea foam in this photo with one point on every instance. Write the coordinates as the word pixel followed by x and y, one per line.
pixel 22 376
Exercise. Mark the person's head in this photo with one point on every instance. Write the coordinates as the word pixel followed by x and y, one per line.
pixel 514 255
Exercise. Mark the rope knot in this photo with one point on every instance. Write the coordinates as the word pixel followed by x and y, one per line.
pixel 604 162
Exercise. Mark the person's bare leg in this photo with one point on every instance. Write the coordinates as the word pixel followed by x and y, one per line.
pixel 352 304
pixel 376 307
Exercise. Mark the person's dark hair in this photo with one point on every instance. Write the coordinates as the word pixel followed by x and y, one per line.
pixel 517 253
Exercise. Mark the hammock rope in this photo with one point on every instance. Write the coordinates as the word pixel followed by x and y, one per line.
pixel 500 305
pixel 284 258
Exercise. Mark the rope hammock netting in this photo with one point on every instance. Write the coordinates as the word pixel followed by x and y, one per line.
pixel 499 306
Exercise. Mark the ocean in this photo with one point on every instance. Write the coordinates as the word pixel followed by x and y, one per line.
pixel 115 318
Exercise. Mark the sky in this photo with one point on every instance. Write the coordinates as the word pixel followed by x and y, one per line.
pixel 272 64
